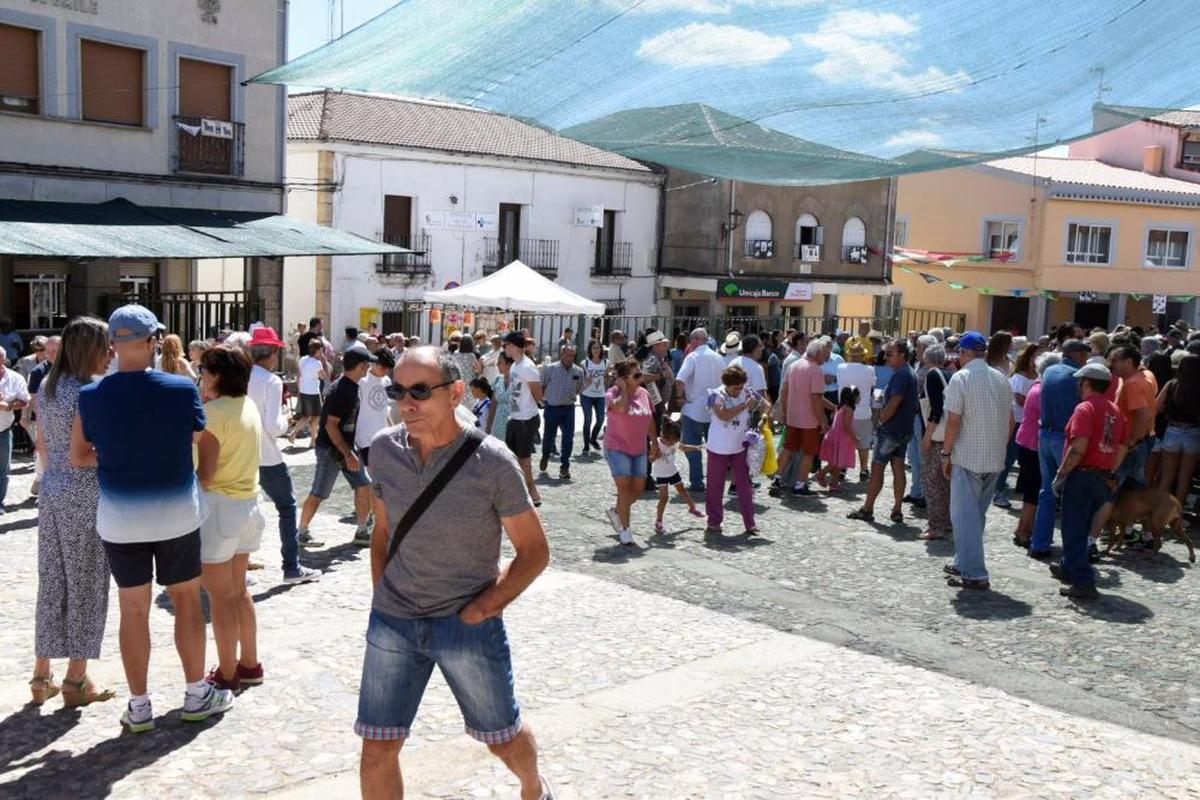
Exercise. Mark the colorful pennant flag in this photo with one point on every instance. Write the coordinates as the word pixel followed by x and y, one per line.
pixel 987 291
pixel 1018 292
pixel 1137 297
pixel 957 286
pixel 907 270
pixel 925 276
pixel 1045 294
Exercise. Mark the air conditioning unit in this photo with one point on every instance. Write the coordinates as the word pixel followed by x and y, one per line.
pixel 810 252
pixel 805 269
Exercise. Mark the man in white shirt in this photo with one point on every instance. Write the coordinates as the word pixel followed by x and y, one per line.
pixel 523 421
pixel 374 407
pixel 756 377
pixel 266 390
pixel 14 395
pixel 699 375
pixel 862 377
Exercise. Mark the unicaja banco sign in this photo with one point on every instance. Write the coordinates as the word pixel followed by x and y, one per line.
pixel 765 290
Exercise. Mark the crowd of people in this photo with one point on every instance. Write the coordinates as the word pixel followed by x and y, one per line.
pixel 151 458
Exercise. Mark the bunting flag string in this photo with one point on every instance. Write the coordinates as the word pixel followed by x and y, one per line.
pixel 1137 298
pixel 907 270
pixel 987 291
pixel 925 276
pixel 957 286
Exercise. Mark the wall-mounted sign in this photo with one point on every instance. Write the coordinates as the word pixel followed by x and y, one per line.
pixel 217 129
pixel 1158 304
pixel 433 220
pixel 486 221
pixel 589 216
pixel 764 290
pixel 460 220
pixel 82 6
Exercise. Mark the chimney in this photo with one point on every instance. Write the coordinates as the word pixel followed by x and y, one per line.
pixel 1152 160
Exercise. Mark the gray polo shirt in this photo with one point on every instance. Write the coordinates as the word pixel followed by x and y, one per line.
pixel 453 551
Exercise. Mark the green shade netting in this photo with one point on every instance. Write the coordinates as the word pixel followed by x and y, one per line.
pixel 746 89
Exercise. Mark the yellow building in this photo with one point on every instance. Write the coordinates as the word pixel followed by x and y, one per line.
pixel 1028 243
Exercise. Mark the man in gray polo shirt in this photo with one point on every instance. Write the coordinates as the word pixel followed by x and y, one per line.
pixel 439 600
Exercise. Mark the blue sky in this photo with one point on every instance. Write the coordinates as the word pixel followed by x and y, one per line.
pixel 308 20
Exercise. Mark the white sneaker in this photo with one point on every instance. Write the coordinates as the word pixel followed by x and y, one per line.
pixel 614 519
pixel 138 721
pixel 626 537
pixel 305 575
pixel 198 709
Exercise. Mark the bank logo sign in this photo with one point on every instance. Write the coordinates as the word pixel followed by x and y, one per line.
pixel 767 290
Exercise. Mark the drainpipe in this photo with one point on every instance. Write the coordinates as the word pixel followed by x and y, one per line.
pixel 660 235
pixel 729 236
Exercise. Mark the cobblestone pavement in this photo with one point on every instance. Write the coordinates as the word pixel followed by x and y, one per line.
pixel 825 658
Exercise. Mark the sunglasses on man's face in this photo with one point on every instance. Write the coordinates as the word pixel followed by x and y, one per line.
pixel 419 391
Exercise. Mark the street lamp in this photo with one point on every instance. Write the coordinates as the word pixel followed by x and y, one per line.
pixel 735 221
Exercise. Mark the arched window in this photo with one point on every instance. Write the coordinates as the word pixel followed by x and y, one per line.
pixel 854 241
pixel 809 238
pixel 759 242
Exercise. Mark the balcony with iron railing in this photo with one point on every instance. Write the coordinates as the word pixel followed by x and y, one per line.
pixel 537 254
pixel 209 147
pixel 760 248
pixel 418 263
pixel 614 262
pixel 807 252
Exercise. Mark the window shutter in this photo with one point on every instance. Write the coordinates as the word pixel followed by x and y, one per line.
pixel 820 234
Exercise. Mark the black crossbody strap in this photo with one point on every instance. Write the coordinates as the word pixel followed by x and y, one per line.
pixel 435 487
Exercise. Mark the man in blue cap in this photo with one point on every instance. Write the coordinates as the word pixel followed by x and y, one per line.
pixel 980 420
pixel 137 426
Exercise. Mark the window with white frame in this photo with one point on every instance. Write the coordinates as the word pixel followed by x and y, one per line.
pixel 1002 238
pixel 759 240
pixel 1167 247
pixel 854 241
pixel 1089 243
pixel 809 238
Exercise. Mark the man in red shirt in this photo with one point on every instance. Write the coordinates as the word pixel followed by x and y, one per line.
pixel 1097 434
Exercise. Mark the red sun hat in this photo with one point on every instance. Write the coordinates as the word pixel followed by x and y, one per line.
pixel 267 336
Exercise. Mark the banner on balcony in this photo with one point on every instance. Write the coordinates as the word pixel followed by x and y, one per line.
pixel 589 216
pixel 765 290
pixel 217 129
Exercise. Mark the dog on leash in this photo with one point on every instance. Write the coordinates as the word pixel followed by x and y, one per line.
pixel 1157 510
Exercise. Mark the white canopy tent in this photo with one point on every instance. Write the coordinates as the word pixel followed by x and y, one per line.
pixel 516 287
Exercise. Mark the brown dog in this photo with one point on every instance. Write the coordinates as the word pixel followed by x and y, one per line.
pixel 1157 510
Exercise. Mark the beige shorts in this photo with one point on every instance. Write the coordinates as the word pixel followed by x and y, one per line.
pixel 231 527
pixel 864 431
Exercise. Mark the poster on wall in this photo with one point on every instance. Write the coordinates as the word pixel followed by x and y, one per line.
pixel 589 216
pixel 368 317
pixel 460 220
pixel 433 220
pixel 486 221
pixel 1158 304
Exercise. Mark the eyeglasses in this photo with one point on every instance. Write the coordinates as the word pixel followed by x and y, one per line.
pixel 419 391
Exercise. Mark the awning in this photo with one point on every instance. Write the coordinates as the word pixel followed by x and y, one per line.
pixel 121 229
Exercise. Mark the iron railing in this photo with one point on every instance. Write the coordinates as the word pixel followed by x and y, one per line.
pixel 617 262
pixel 807 252
pixel 760 248
pixel 922 319
pixel 856 254
pixel 419 262
pixel 537 254
pixel 207 150
pixel 194 315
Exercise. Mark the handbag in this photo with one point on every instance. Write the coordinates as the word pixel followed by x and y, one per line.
pixel 939 431
pixel 475 438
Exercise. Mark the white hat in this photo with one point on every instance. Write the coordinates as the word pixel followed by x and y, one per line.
pixel 733 340
pixel 654 337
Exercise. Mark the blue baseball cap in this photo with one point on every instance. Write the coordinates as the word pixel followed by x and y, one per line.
pixel 132 322
pixel 972 340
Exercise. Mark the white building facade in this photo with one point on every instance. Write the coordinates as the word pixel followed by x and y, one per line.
pixel 468 190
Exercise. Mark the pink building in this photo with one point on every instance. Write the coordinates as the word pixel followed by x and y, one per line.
pixel 1162 143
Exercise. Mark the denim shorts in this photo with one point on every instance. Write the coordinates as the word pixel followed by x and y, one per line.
pixel 1179 439
pixel 890 446
pixel 474 660
pixel 328 467
pixel 625 465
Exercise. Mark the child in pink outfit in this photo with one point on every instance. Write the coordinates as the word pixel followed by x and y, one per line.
pixel 838 448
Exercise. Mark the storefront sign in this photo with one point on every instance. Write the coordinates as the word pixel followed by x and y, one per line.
pixel 764 290
pixel 589 216
pixel 82 6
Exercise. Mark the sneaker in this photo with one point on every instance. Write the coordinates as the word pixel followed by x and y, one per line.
pixel 614 519
pixel 1001 500
pixel 1079 592
pixel 626 537
pixel 863 476
pixel 801 490
pixel 219 681
pixel 545 462
pixel 959 582
pixel 138 721
pixel 306 540
pixel 695 512
pixel 250 676
pixel 564 473
pixel 305 575
pixel 216 701
pixel 362 537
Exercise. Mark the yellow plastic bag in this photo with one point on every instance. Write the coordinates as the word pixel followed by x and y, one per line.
pixel 770 462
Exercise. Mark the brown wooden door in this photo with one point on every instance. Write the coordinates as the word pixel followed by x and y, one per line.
pixel 397 220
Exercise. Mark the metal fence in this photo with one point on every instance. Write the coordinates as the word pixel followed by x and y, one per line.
pixel 194 315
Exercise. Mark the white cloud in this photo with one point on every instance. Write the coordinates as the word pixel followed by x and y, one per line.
pixel 915 139
pixel 863 48
pixel 708 6
pixel 703 44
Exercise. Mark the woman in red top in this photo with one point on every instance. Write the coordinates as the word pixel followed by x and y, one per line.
pixel 630 417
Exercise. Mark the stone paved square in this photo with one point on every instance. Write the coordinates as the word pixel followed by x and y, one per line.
pixel 824 659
